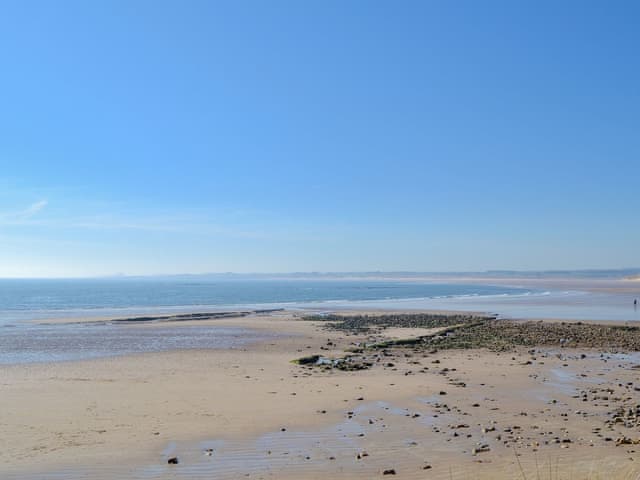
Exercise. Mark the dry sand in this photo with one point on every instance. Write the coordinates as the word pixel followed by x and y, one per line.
pixel 265 417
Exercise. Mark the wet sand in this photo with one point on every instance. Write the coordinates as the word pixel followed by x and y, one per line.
pixel 549 410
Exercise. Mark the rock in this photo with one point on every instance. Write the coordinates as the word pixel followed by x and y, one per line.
pixel 173 461
pixel 390 471
pixel 480 449
pixel 626 441
pixel 311 359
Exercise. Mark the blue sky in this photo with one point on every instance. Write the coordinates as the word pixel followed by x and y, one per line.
pixel 147 137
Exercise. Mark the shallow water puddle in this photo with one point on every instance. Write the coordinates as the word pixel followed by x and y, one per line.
pixel 362 443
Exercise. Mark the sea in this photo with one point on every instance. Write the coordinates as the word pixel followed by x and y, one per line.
pixel 31 310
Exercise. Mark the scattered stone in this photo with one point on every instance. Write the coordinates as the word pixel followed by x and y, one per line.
pixel 480 449
pixel 626 441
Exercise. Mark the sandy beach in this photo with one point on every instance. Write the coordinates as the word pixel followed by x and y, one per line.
pixel 251 412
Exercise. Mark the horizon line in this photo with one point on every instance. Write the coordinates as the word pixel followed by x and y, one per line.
pixel 624 271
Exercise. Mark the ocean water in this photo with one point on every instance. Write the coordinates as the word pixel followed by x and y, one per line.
pixel 547 304
pixel 27 300
pixel 27 308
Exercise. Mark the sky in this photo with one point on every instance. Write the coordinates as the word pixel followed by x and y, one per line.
pixel 159 137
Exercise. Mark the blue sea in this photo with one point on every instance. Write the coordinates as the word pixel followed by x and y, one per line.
pixel 28 309
pixel 26 300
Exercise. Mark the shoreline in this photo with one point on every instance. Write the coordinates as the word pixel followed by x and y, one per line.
pixel 168 326
pixel 612 303
pixel 184 317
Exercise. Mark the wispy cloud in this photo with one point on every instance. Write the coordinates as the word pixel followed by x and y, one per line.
pixel 241 224
pixel 183 223
pixel 18 216
pixel 33 209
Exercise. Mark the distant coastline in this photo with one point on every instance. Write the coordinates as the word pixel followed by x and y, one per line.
pixel 627 273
